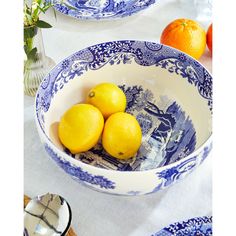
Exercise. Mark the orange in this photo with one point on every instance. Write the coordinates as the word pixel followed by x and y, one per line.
pixel 185 35
pixel 209 38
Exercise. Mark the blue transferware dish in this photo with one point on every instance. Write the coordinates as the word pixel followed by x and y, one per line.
pixel 199 226
pixel 169 93
pixel 101 9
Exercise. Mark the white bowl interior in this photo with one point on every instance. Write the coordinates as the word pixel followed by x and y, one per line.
pixel 165 87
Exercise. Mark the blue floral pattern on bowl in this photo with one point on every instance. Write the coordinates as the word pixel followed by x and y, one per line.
pixel 167 176
pixel 177 172
pixel 199 226
pixel 101 9
pixel 143 53
pixel 78 173
pixel 175 164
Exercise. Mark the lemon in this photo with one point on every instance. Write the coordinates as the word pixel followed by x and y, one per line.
pixel 122 135
pixel 108 98
pixel 80 127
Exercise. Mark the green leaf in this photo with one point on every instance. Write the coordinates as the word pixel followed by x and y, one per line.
pixel 39 2
pixel 44 9
pixel 35 13
pixel 43 24
pixel 29 32
pixel 32 54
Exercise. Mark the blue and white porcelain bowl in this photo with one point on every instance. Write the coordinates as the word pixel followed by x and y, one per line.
pixel 170 94
pixel 101 9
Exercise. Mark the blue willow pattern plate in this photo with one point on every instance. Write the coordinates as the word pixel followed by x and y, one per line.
pixel 100 9
pixel 199 226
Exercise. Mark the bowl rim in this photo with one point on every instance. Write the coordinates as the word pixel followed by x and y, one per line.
pixel 196 152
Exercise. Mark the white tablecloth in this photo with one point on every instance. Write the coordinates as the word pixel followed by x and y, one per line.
pixel 96 213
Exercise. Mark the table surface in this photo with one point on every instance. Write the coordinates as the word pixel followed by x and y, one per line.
pixel 97 213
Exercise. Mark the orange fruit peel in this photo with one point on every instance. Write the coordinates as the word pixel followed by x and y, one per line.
pixel 209 38
pixel 185 35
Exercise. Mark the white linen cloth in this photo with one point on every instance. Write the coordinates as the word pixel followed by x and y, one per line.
pixel 95 213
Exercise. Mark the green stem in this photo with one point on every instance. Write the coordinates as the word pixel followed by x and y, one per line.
pixel 29 45
pixel 29 36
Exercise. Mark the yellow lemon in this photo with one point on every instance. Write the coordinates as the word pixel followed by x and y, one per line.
pixel 80 127
pixel 108 98
pixel 122 135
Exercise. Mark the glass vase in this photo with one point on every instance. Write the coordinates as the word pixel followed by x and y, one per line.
pixel 204 12
pixel 36 64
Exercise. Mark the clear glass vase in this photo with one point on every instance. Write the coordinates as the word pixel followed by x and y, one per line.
pixel 204 12
pixel 36 64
